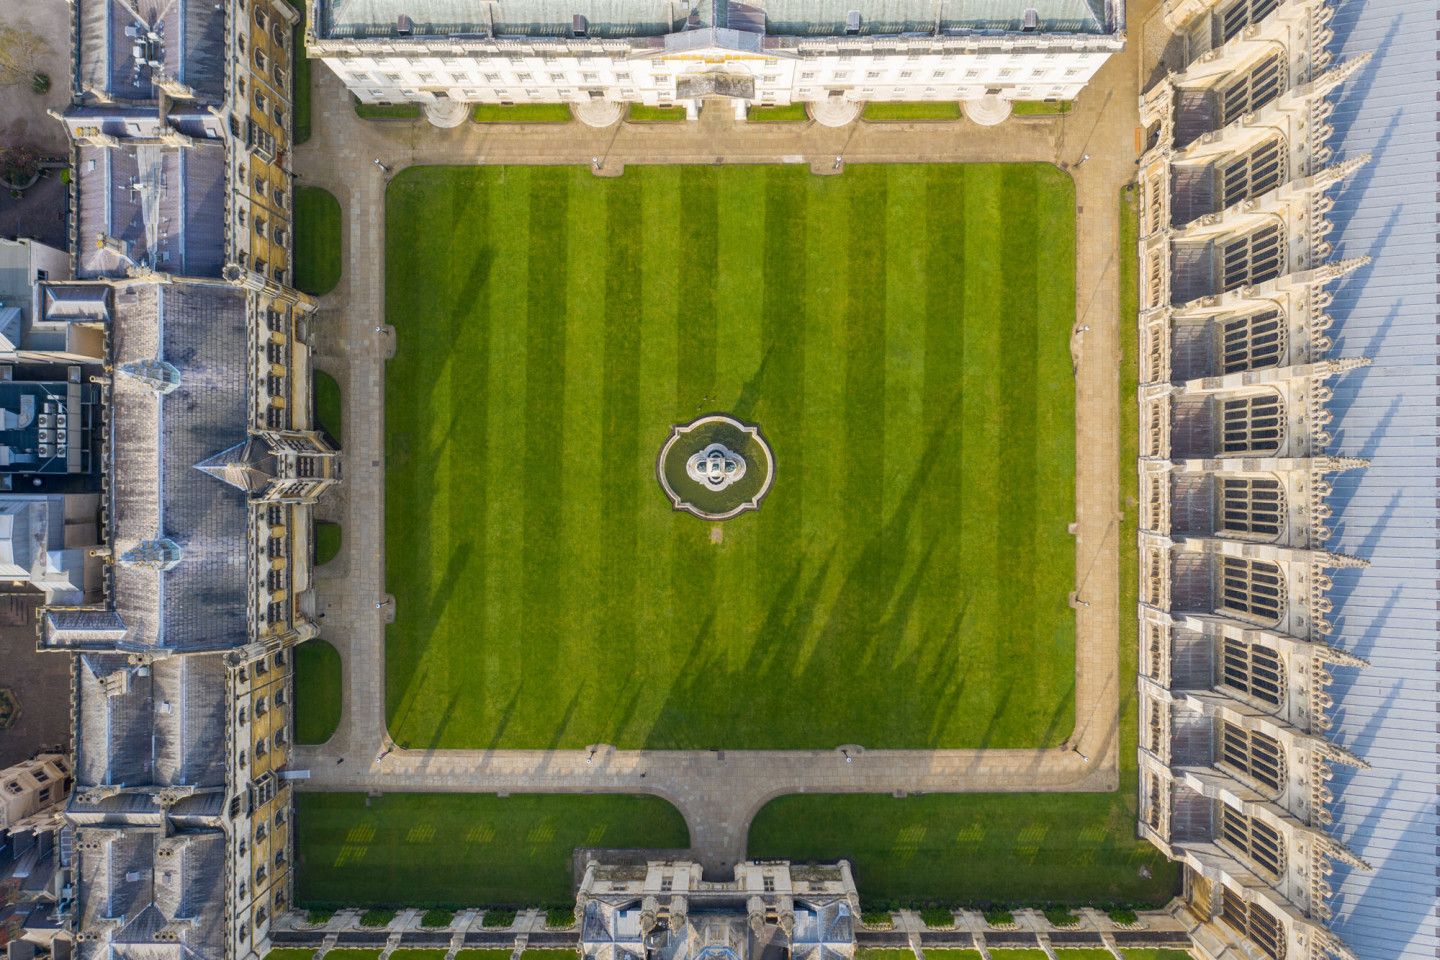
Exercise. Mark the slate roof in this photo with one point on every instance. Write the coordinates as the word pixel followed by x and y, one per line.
pixel 1387 514
pixel 157 440
pixel 167 730
pixel 165 204
pixel 191 46
pixel 650 18
pixel 141 883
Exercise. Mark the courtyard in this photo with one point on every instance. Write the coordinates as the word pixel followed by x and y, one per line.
pixel 900 333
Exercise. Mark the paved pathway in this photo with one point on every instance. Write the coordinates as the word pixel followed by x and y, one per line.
pixel 718 792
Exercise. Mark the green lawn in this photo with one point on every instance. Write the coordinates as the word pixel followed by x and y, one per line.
pixel 317 240
pixel 900 331
pixel 318 691
pixel 786 114
pixel 300 90
pixel 307 953
pixel 1063 847
pixel 639 113
pixel 1032 108
pixel 328 537
pixel 521 113
pixel 943 110
pixel 387 111
pixel 329 409
pixel 464 849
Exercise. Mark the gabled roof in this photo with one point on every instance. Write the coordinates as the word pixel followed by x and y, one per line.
pixel 248 466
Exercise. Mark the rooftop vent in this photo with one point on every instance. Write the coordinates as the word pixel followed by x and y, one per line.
pixel 403 26
pixel 852 22
pixel 1031 19
pixel 579 25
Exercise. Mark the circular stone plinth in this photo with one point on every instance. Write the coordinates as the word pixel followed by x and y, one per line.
pixel 599 113
pixel 446 114
pixel 715 467
pixel 834 111
pixel 987 110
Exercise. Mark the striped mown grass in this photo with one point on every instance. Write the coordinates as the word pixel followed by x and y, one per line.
pixel 900 333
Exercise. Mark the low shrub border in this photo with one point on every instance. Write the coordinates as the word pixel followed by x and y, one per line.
pixel 376 918
pixel 498 918
pixel 319 917
pixel 561 918
pixel 1061 917
pixel 939 917
pixel 1124 917
pixel 437 918
pixel 1000 918
pixel 876 918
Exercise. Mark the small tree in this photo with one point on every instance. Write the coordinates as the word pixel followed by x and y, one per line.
pixel 21 51
pixel 18 165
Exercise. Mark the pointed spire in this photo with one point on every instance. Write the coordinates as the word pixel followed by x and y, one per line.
pixel 1336 172
pixel 1333 77
pixel 1336 753
pixel 1329 558
pixel 1340 464
pixel 248 466
pixel 1345 365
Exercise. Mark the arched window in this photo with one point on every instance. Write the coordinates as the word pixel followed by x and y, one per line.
pixel 1240 14
pixel 1252 425
pixel 1254 258
pixel 1251 92
pixel 1251 507
pixel 1258 171
pixel 1254 841
pixel 1252 588
pixel 1253 755
pixel 1253 670
pixel 1252 342
pixel 1254 922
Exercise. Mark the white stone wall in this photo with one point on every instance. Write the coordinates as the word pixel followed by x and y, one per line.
pixel 414 74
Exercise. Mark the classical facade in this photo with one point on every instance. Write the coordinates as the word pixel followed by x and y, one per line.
pixel 771 910
pixel 1239 368
pixel 178 839
pixel 600 57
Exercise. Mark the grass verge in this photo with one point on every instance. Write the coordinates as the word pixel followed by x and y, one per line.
pixel 318 691
pixel 454 850
pixel 521 113
pixel 639 113
pixel 912 558
pixel 329 409
pixel 300 79
pixel 387 111
pixel 1036 108
pixel 328 538
pixel 942 110
pixel 317 240
pixel 790 113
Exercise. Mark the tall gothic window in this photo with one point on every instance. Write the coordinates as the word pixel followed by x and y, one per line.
pixel 1252 424
pixel 1253 670
pixel 1250 506
pixel 1254 922
pixel 1254 258
pixel 1254 841
pixel 1253 755
pixel 1238 15
pixel 1249 176
pixel 1252 91
pixel 1252 342
pixel 1252 588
